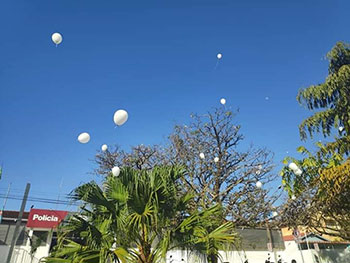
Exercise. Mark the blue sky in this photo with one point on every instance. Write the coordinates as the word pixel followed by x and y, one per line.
pixel 155 59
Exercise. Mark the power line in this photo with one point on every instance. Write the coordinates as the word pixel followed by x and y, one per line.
pixel 18 190
pixel 42 200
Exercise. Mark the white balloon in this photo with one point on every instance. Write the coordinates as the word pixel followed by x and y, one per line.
pixel 201 155
pixel 216 159
pixel 84 137
pixel 274 214
pixel 120 117
pixel 293 166
pixel 341 128
pixel 223 101
pixel 258 184
pixel 298 172
pixel 293 197
pixel 219 55
pixel 56 38
pixel 104 147
pixel 115 170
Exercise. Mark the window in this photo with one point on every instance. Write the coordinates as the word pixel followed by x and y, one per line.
pixel 6 234
pixel 39 238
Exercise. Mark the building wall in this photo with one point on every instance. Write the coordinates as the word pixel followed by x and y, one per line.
pixel 181 256
pixel 291 252
pixel 21 253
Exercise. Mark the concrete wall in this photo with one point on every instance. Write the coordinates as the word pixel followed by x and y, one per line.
pixel 22 255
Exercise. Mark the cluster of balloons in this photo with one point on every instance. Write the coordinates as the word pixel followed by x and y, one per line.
pixel 119 118
pixel 295 169
pixel 216 159
pixel 259 184
pixel 202 156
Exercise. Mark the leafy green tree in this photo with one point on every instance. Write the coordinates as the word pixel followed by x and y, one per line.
pixel 330 102
pixel 138 217
pixel 318 202
pixel 310 165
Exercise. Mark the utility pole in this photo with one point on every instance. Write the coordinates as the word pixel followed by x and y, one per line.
pixel 270 241
pixel 18 223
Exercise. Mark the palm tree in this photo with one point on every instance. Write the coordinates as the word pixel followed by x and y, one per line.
pixel 138 217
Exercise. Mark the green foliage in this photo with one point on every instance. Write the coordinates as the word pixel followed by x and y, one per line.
pixel 311 165
pixel 321 188
pixel 332 100
pixel 138 217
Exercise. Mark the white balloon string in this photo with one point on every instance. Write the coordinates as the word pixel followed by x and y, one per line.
pixel 217 63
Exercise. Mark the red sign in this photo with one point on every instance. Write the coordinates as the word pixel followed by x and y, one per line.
pixel 42 218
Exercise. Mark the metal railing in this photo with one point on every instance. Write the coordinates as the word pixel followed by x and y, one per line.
pixel 21 255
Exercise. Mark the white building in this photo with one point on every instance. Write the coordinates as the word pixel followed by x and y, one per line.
pixel 37 236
